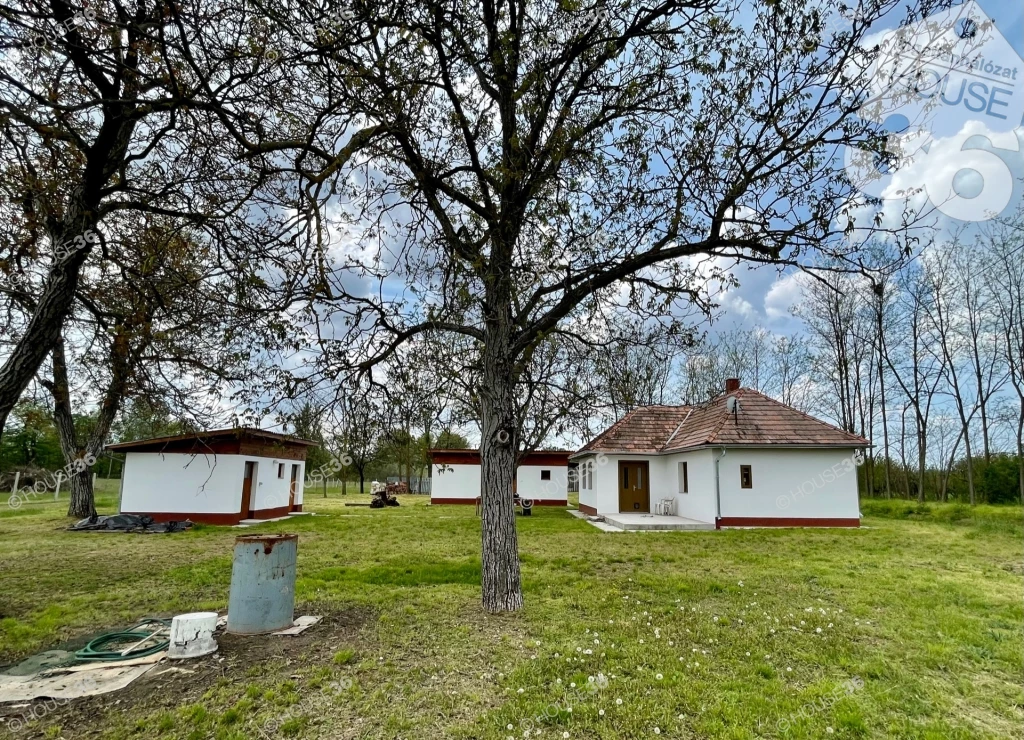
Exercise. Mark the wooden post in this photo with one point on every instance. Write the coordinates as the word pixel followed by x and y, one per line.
pixel 17 477
pixel 60 479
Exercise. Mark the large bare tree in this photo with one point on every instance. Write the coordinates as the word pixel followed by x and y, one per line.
pixel 517 164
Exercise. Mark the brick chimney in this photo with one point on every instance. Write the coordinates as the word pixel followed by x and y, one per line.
pixel 732 385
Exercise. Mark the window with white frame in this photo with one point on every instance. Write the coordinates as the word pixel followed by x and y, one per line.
pixel 684 478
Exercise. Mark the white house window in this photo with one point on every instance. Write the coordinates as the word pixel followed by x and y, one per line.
pixel 590 476
pixel 684 478
pixel 545 475
pixel 746 477
pixel 280 470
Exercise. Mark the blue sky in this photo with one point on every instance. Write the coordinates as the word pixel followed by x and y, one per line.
pixel 764 295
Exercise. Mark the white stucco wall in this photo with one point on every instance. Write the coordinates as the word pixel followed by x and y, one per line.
pixel 529 484
pixel 588 496
pixel 829 484
pixel 699 503
pixel 202 484
pixel 826 475
pixel 269 491
pixel 604 494
pixel 463 482
pixel 455 481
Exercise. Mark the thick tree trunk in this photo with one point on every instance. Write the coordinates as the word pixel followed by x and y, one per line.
pixel 502 581
pixel 82 496
pixel 47 320
pixel 83 499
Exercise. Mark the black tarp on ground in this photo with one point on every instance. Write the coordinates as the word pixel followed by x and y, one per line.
pixel 127 523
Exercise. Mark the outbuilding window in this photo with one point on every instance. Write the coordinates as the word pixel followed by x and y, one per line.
pixel 684 478
pixel 280 470
pixel 746 477
pixel 545 475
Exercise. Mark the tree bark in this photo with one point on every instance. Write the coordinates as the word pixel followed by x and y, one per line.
pixel 48 314
pixel 502 580
pixel 83 503
pixel 82 500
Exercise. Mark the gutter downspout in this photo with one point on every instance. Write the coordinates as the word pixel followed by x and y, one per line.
pixel 718 492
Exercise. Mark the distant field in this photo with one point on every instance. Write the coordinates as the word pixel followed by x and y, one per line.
pixel 686 634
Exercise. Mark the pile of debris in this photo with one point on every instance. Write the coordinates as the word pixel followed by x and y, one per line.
pixel 382 495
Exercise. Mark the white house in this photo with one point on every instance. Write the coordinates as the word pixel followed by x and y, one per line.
pixel 216 477
pixel 740 460
pixel 542 477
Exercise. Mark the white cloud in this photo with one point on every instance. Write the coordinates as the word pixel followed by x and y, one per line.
pixel 784 293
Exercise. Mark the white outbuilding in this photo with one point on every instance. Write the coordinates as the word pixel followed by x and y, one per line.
pixel 215 477
pixel 542 477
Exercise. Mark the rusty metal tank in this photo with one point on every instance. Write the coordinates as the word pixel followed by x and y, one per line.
pixel 262 597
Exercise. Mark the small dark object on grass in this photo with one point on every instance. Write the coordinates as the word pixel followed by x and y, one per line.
pixel 382 498
pixel 127 523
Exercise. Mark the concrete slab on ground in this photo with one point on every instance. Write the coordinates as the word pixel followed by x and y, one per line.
pixel 632 522
pixel 594 521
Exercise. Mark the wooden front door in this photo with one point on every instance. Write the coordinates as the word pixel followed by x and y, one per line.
pixel 292 487
pixel 250 473
pixel 634 487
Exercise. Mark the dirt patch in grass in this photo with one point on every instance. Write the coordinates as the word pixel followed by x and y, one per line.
pixel 172 684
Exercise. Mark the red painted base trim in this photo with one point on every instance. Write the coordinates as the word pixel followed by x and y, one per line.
pixel 588 510
pixel 472 501
pixel 765 521
pixel 180 516
pixel 208 518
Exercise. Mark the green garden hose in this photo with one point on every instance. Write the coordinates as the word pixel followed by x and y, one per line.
pixel 94 651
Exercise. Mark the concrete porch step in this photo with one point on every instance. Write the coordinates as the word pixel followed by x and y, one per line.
pixel 654 522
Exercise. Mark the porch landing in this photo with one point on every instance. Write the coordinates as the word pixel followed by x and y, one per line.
pixel 643 522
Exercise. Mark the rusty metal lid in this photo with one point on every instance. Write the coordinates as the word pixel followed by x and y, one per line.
pixel 266 540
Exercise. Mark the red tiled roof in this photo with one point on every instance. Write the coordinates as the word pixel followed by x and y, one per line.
pixel 644 429
pixel 760 420
pixel 216 434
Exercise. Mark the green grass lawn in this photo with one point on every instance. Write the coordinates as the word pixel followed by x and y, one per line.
pixel 910 627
